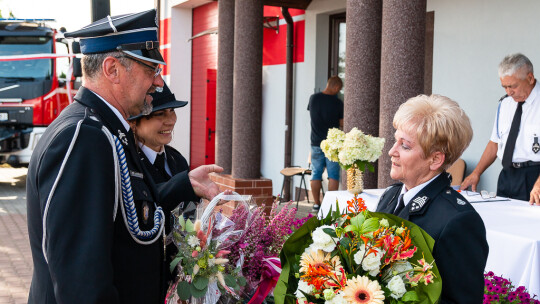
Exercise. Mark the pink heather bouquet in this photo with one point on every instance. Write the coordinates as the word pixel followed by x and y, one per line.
pixel 258 249
pixel 500 290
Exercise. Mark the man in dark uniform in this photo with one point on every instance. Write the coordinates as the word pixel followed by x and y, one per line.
pixel 95 217
pixel 514 138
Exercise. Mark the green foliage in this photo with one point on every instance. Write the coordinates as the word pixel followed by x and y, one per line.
pixel 184 290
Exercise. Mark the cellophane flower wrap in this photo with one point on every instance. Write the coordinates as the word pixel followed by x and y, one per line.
pixel 204 243
pixel 358 257
pixel 258 249
pixel 352 149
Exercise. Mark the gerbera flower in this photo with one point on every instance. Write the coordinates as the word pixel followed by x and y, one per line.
pixel 318 258
pixel 361 290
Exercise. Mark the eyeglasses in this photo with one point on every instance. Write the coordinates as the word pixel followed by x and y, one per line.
pixel 156 69
pixel 484 194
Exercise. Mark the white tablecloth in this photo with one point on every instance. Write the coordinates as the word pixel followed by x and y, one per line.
pixel 512 230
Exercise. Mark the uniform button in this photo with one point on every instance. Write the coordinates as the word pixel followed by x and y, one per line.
pixel 144 193
pixel 448 191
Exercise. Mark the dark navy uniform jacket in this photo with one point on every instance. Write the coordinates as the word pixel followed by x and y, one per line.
pixel 460 249
pixel 92 258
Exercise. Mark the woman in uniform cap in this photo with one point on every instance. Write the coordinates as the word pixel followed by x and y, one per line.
pixel 431 134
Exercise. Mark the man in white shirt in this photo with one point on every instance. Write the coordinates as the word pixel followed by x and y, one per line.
pixel 515 134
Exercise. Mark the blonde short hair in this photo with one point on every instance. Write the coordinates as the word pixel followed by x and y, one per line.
pixel 438 123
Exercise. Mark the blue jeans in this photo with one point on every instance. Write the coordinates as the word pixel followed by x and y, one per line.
pixel 319 162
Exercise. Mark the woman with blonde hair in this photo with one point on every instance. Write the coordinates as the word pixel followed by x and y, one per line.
pixel 431 134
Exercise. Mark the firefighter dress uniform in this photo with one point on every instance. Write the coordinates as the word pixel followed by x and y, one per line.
pixel 460 249
pixel 94 238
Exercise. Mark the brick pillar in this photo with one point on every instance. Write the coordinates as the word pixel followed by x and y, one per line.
pixel 247 90
pixel 402 67
pixel 362 70
pixel 259 188
pixel 224 106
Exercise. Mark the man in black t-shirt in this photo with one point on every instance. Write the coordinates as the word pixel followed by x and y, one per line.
pixel 326 112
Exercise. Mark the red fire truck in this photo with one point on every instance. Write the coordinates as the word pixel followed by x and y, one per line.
pixel 35 84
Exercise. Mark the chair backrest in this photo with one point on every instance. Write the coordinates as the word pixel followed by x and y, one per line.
pixel 457 170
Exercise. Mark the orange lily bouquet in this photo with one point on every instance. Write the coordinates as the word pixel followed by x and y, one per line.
pixel 358 257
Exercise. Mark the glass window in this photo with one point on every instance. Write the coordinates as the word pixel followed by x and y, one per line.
pixel 37 69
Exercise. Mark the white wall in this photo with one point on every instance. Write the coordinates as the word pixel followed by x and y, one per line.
pixel 180 73
pixel 470 39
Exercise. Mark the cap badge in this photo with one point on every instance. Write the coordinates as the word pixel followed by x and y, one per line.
pixel 123 138
pixel 418 203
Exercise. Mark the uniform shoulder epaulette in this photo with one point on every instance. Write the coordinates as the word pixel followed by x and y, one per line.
pixel 91 119
pixel 455 198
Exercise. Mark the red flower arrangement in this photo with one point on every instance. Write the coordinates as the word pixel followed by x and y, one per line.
pixel 500 290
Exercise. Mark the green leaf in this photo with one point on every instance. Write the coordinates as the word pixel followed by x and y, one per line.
pixel 174 263
pixel 350 228
pixel 369 225
pixel 241 281
pixel 183 290
pixel 200 282
pixel 196 293
pixel 331 232
pixel 230 280
pixel 358 220
pixel 345 242
pixel 410 296
pixel 182 222
pixel 189 226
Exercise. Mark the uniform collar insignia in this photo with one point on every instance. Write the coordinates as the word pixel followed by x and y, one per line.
pixel 460 201
pixel 123 138
pixel 418 203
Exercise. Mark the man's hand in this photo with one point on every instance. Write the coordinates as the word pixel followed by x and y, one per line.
pixel 201 183
pixel 535 194
pixel 471 180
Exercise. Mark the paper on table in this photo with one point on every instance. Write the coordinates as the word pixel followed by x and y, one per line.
pixel 475 197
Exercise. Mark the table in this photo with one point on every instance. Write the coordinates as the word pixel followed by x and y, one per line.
pixel 512 231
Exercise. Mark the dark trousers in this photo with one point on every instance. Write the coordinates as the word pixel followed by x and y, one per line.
pixel 517 183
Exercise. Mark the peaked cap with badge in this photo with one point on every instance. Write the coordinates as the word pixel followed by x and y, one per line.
pixel 78 160
pixel 163 100
pixel 133 34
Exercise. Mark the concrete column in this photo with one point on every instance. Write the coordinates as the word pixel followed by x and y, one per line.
pixel 247 89
pixel 402 67
pixel 224 106
pixel 362 71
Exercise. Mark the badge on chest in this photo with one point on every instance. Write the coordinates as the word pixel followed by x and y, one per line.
pixel 536 145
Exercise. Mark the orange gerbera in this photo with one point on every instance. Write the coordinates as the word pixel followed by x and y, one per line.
pixel 362 290
pixel 318 258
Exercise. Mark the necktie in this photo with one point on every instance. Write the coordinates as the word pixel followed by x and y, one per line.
pixel 159 163
pixel 400 206
pixel 512 136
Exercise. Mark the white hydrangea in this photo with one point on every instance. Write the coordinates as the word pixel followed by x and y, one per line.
pixel 399 268
pixel 360 147
pixel 337 299
pixel 193 241
pixel 333 143
pixel 303 286
pixel 323 241
pixel 397 287
pixel 371 262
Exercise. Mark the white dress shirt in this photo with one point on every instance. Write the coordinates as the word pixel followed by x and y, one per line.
pixel 151 156
pixel 409 194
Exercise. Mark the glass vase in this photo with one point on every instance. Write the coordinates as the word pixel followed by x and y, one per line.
pixel 355 180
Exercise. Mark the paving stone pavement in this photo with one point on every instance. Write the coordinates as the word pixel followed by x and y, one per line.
pixel 15 256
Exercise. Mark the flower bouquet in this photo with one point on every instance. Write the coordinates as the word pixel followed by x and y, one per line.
pixel 258 249
pixel 355 151
pixel 359 257
pixel 500 290
pixel 204 271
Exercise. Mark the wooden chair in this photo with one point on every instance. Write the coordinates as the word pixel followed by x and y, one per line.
pixel 457 171
pixel 297 171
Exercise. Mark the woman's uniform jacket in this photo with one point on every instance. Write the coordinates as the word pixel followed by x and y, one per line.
pixel 460 249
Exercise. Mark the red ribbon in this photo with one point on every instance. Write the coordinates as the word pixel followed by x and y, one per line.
pixel 270 276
